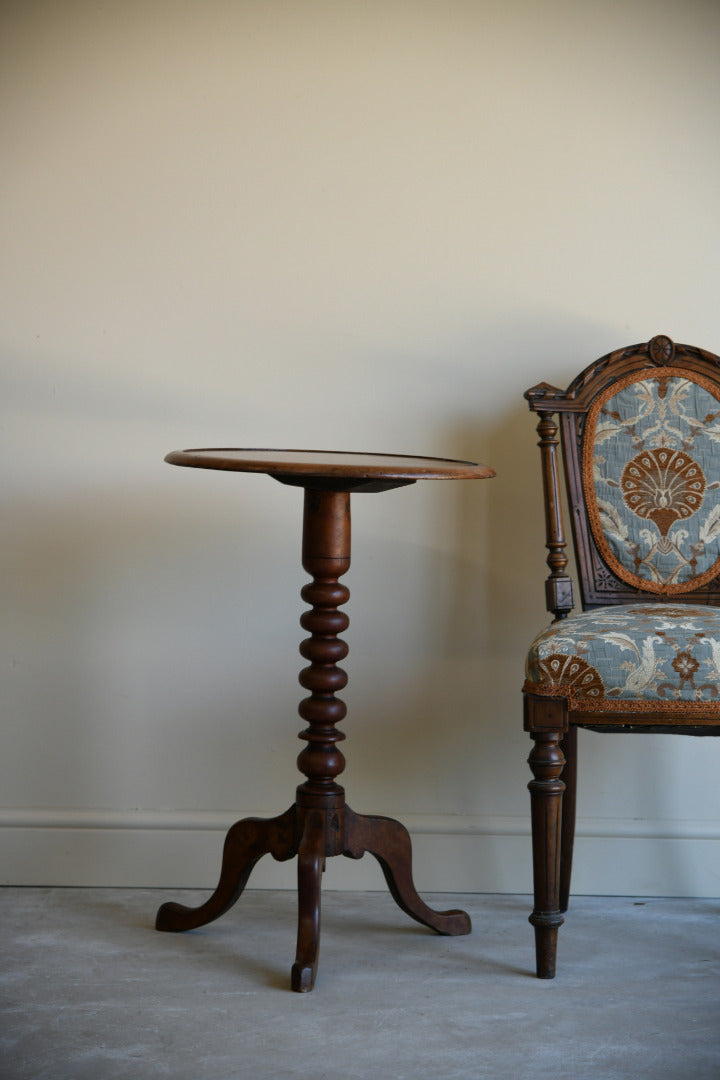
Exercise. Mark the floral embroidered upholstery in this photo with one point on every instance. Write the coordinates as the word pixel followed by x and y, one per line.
pixel 663 654
pixel 651 479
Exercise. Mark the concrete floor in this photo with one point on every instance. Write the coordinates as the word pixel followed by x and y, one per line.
pixel 90 990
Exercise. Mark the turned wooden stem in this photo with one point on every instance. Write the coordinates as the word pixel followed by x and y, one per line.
pixel 558 587
pixel 325 555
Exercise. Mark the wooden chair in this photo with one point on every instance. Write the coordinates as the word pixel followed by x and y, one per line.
pixel 640 440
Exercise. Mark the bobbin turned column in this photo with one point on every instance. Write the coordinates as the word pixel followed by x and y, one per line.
pixel 327 825
pixel 320 800
pixel 325 555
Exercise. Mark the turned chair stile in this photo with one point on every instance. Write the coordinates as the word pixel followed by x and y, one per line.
pixel 553 800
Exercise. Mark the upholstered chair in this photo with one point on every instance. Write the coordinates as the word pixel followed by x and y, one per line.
pixel 640 447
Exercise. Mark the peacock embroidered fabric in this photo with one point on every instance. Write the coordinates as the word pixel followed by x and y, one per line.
pixel 651 478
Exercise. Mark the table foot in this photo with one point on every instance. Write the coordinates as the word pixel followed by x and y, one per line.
pixel 311 864
pixel 390 843
pixel 246 842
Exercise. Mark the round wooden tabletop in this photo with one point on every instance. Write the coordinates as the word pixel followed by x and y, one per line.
pixel 296 466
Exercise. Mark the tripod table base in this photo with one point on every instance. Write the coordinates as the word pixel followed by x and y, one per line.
pixel 313 834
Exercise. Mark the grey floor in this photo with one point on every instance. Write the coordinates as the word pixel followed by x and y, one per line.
pixel 90 990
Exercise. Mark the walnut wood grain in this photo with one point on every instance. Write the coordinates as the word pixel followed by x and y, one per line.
pixel 343 471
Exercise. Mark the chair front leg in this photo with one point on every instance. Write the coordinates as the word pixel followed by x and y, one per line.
pixel 546 792
pixel 569 802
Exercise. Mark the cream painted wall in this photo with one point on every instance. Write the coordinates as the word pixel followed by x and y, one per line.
pixel 368 226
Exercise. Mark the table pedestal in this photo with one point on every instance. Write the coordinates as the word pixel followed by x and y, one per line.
pixel 319 824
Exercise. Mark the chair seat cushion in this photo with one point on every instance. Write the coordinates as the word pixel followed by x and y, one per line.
pixel 656 656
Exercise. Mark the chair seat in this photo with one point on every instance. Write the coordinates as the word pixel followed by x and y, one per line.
pixel 656 655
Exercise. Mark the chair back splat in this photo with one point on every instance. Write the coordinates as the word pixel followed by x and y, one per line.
pixel 640 439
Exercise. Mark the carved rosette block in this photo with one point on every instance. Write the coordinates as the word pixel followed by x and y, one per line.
pixel 661 349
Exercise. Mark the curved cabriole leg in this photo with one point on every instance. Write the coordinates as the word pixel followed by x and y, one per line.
pixel 389 842
pixel 569 777
pixel 546 791
pixel 311 863
pixel 246 842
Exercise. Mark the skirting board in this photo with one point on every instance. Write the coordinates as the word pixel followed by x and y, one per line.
pixel 146 849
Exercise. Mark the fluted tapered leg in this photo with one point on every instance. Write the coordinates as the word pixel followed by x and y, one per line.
pixel 569 802
pixel 546 792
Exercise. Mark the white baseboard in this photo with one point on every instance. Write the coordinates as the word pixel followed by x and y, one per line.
pixel 179 849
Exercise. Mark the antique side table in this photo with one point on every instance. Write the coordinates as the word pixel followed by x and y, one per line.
pixel 320 823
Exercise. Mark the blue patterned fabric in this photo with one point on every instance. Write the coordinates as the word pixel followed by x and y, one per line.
pixel 652 480
pixel 653 653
